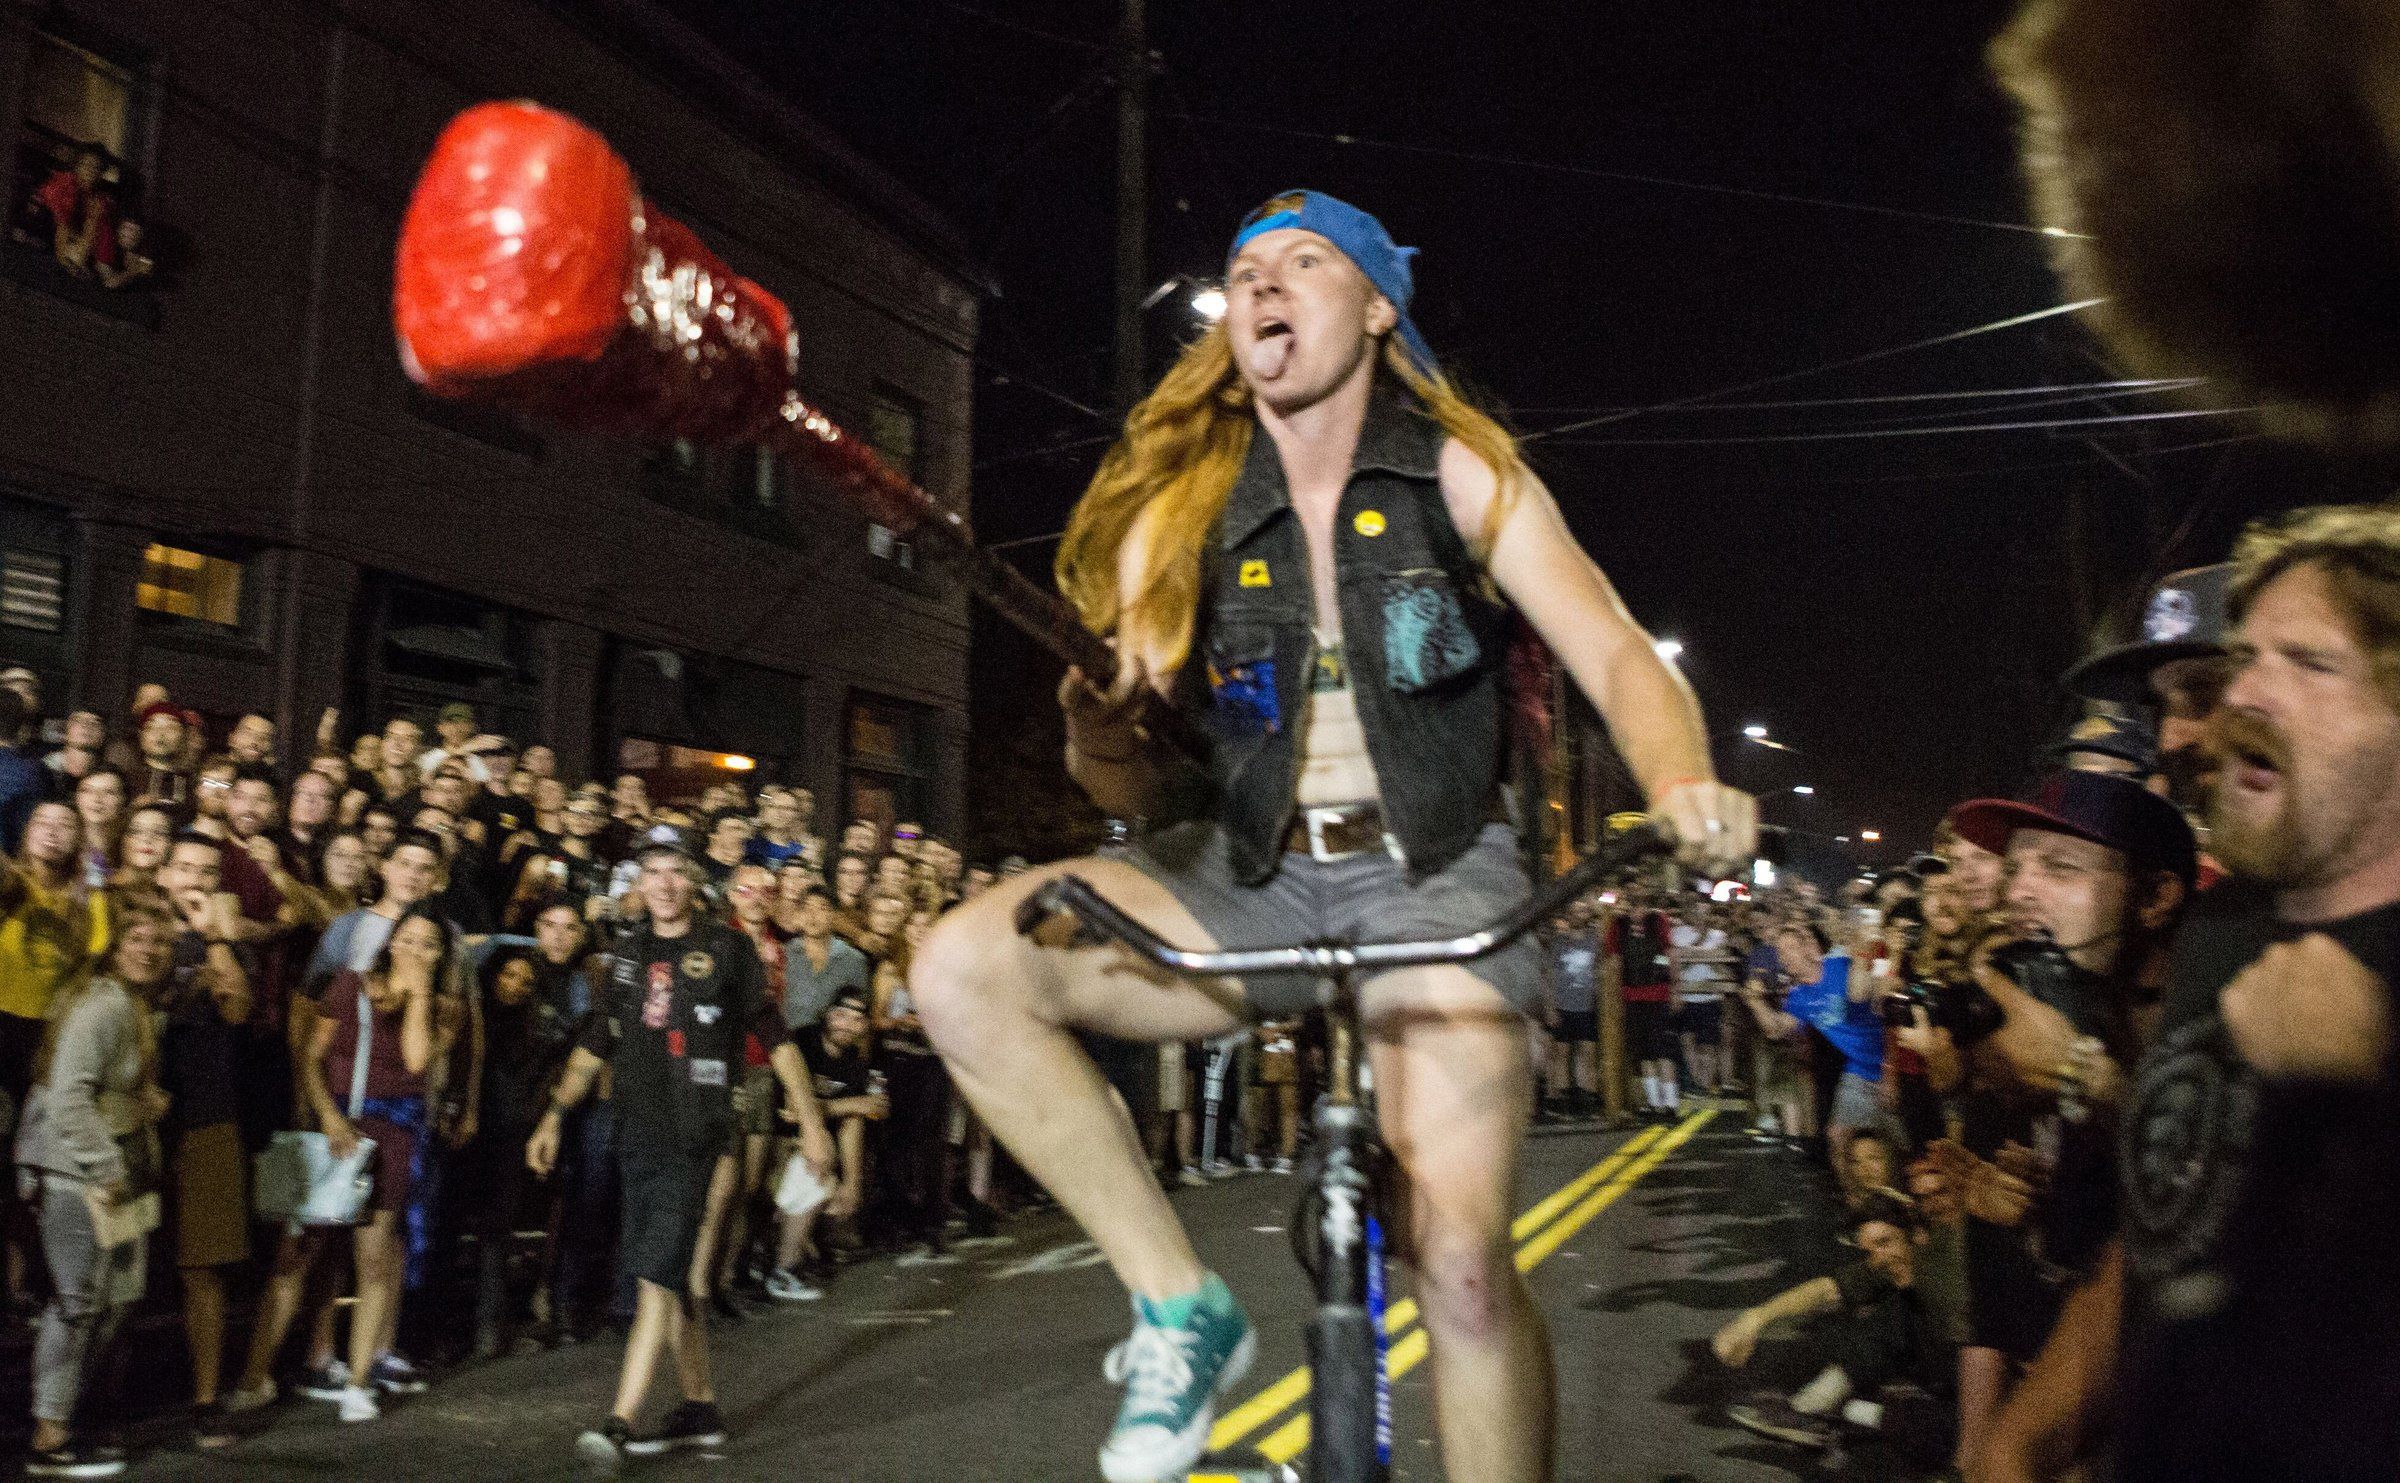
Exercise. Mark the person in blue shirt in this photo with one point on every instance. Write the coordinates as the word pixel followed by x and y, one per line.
pixel 1827 997
pixel 23 782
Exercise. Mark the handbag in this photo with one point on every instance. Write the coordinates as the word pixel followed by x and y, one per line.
pixel 800 1190
pixel 298 1179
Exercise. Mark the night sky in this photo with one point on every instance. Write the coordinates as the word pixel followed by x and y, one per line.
pixel 1894 607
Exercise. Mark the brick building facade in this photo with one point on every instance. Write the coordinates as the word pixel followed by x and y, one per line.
pixel 216 476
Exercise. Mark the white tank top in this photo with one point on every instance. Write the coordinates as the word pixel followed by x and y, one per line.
pixel 1334 765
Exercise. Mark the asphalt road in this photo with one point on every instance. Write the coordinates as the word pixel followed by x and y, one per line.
pixel 988 1367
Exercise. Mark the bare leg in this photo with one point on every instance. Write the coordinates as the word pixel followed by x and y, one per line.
pixel 204 1330
pixel 1455 1088
pixel 797 1231
pixel 737 1225
pixel 721 1186
pixel 687 1335
pixel 979 1160
pixel 653 1316
pixel 379 1258
pixel 278 1305
pixel 1000 1009
pixel 1982 1381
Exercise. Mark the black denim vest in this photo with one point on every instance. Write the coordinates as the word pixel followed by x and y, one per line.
pixel 1424 647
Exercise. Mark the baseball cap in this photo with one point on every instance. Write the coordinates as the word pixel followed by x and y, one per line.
pixel 1360 238
pixel 2102 807
pixel 2109 730
pixel 457 710
pixel 2183 618
pixel 663 839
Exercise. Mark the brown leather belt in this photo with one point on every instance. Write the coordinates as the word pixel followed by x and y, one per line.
pixel 1340 832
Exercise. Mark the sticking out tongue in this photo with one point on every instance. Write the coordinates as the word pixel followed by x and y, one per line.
pixel 1269 353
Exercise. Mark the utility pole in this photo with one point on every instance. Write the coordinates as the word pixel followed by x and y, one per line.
pixel 1133 198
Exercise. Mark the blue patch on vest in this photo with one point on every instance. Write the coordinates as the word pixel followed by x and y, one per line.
pixel 1246 698
pixel 1425 635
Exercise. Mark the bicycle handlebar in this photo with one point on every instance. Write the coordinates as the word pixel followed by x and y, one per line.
pixel 1074 896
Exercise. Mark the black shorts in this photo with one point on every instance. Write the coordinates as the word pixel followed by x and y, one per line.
pixel 1577 1026
pixel 1650 1030
pixel 666 1197
pixel 1702 1019
pixel 2011 1304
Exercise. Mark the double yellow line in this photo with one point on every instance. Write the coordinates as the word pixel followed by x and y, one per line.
pixel 1539 1232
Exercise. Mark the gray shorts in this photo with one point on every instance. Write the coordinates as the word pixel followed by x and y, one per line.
pixel 1857 1103
pixel 1365 898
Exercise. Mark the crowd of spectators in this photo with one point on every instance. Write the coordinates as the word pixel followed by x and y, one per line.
pixel 205 942
pixel 1992 1050
pixel 2103 1077
pixel 76 214
pixel 197 934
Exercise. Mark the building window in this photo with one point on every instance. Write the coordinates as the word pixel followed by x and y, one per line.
pixel 189 584
pixel 895 429
pixel 33 591
pixel 883 771
pixel 676 473
pixel 74 208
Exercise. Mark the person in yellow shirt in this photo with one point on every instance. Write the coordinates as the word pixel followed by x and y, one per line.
pixel 52 929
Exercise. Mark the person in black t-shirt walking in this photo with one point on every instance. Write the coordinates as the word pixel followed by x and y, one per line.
pixel 679 995
pixel 2251 1325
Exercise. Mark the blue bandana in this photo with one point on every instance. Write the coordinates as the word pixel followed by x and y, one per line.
pixel 1362 239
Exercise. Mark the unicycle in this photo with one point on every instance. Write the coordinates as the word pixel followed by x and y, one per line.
pixel 1338 1231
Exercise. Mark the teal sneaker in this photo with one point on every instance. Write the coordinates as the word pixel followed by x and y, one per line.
pixel 1173 1372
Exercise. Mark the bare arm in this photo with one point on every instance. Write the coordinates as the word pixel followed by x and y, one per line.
pixel 1735 1342
pixel 1651 712
pixel 583 1067
pixel 416 1028
pixel 312 1075
pixel 222 976
pixel 800 1106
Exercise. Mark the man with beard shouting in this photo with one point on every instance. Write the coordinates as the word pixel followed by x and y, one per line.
pixel 2251 1327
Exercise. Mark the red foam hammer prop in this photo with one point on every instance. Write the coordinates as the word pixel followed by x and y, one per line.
pixel 532 275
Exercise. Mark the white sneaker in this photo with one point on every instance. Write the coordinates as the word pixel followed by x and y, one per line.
pixel 325 1383
pixel 238 1400
pixel 1190 1177
pixel 790 1287
pixel 358 1404
pixel 1283 1166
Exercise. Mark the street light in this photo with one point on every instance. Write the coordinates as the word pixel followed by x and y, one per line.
pixel 1804 790
pixel 1755 732
pixel 1669 649
pixel 1209 304
pixel 1871 836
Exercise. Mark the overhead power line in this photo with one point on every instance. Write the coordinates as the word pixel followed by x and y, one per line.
pixel 1631 177
pixel 1905 396
pixel 1907 432
pixel 1782 378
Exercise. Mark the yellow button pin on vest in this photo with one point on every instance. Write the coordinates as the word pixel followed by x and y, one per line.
pixel 1254 574
pixel 1368 523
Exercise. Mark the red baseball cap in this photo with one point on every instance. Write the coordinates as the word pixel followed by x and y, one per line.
pixel 2105 808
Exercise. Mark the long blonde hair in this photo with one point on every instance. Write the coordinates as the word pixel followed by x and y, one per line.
pixel 1182 448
